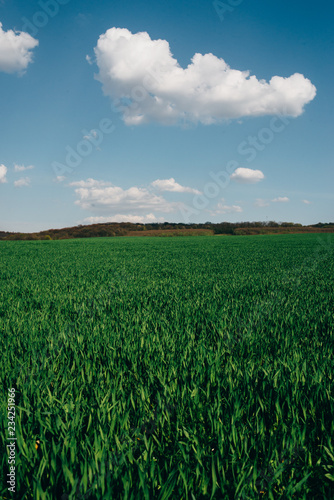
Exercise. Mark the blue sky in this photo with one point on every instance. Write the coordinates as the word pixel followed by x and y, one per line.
pixel 152 111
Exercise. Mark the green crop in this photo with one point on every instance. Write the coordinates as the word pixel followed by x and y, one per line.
pixel 169 368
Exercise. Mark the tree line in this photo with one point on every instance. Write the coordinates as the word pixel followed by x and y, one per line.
pixel 112 229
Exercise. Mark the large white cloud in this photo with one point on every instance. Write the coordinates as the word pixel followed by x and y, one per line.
pixel 147 84
pixel 3 172
pixel 15 50
pixel 247 175
pixel 172 185
pixel 100 196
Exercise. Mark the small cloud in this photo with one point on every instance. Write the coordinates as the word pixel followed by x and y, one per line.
pixel 89 60
pixel 247 175
pixel 307 202
pixel 261 203
pixel 60 178
pixel 281 199
pixel 93 134
pixel 22 168
pixel 93 137
pixel 24 181
pixel 172 185
pixel 15 50
pixel 3 172
pixel 221 208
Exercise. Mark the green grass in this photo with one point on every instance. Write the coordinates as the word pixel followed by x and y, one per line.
pixel 186 368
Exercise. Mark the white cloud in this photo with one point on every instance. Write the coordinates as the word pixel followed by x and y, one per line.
pixel 142 219
pixel 136 70
pixel 59 178
pixel 172 185
pixel 221 208
pixel 3 172
pixel 261 203
pixel 307 202
pixel 247 175
pixel 22 168
pixel 281 199
pixel 24 181
pixel 15 50
pixel 93 134
pixel 90 183
pixel 103 196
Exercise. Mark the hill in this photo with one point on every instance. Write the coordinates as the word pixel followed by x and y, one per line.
pixel 112 229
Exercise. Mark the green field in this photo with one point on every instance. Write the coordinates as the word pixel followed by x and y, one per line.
pixel 169 368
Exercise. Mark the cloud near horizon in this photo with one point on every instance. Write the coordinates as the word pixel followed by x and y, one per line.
pixel 142 219
pixel 101 196
pixel 260 202
pixel 15 50
pixel 147 84
pixel 221 209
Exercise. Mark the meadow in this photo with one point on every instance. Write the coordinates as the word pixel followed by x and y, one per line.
pixel 169 368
